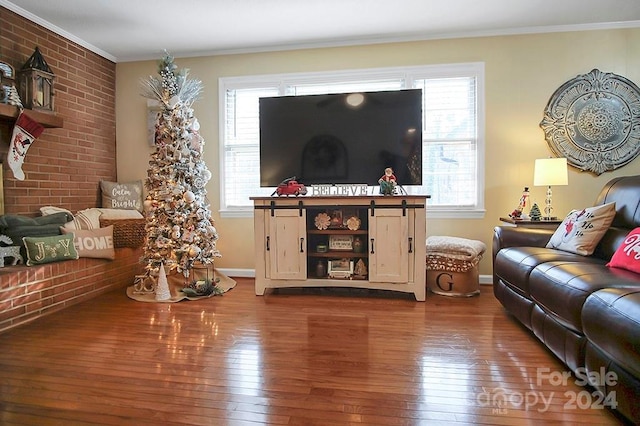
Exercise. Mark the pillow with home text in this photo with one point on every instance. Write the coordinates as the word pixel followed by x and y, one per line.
pixel 581 231
pixel 628 254
pixel 95 243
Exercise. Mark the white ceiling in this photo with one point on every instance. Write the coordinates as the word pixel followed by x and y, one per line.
pixel 129 30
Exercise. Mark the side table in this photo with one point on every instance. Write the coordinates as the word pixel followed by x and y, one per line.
pixel 532 223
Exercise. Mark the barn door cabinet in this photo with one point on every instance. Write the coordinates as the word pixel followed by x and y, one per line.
pixel 373 242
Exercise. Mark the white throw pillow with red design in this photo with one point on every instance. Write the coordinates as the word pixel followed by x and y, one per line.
pixel 581 231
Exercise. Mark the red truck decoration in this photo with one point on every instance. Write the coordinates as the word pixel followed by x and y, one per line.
pixel 290 187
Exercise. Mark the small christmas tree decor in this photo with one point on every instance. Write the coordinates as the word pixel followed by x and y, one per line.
pixel 535 212
pixel 180 230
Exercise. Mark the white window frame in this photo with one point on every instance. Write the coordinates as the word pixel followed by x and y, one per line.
pixel 407 74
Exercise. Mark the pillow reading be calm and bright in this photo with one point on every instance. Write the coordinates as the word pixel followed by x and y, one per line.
pixel 581 231
pixel 127 196
pixel 628 254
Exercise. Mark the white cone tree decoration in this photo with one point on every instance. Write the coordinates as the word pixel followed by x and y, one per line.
pixel 179 227
pixel 162 288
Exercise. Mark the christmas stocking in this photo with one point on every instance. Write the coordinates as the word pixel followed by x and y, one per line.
pixel 25 131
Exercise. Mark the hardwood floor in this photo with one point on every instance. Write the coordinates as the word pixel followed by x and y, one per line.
pixel 296 357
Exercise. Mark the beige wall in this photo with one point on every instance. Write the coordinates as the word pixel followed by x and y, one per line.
pixel 522 72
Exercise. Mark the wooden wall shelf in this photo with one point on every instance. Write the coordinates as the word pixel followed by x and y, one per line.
pixel 50 120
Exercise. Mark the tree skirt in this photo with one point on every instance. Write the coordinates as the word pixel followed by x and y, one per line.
pixel 176 284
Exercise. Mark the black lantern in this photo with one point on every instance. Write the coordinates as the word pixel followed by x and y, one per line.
pixel 35 83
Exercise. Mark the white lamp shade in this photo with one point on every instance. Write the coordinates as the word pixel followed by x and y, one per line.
pixel 550 171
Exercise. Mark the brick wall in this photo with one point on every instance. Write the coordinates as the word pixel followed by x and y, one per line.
pixel 30 292
pixel 64 166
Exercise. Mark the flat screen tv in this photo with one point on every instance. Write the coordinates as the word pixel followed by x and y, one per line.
pixel 347 138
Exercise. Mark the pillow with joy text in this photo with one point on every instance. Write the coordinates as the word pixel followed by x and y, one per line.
pixel 49 249
pixel 126 196
pixel 581 231
pixel 628 254
pixel 95 243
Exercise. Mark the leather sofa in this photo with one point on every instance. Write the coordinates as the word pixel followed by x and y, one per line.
pixel 586 313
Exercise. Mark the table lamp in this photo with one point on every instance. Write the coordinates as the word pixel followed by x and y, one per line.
pixel 548 172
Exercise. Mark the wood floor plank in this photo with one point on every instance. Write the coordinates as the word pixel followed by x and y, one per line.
pixel 291 357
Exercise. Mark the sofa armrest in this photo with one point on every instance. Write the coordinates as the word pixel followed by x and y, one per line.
pixel 512 236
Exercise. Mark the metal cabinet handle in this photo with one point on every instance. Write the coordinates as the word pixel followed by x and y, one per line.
pixel 301 245
pixel 410 244
pixel 372 250
pixel 268 243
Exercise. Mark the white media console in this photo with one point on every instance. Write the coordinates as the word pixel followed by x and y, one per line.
pixel 362 241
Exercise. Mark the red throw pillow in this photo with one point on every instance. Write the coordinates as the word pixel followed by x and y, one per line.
pixel 628 254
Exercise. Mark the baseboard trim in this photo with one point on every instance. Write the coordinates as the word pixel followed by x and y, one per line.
pixel 241 273
pixel 251 273
pixel 486 280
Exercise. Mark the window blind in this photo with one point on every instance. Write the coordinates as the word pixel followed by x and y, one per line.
pixel 449 157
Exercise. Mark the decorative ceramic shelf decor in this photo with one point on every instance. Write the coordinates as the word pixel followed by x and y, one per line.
pixel 353 223
pixel 322 221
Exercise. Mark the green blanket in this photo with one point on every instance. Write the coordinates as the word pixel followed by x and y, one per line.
pixel 17 226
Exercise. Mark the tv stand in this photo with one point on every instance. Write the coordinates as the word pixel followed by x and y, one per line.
pixel 373 242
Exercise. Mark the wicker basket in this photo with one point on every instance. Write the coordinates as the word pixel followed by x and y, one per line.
pixel 126 232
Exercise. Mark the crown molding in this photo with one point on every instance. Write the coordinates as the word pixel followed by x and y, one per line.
pixel 48 25
pixel 401 38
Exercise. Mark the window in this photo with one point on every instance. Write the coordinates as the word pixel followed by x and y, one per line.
pixel 453 148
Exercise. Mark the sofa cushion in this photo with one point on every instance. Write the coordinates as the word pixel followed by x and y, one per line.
pixel 514 264
pixel 624 192
pixel 611 320
pixel 628 254
pixel 612 239
pixel 581 231
pixel 519 306
pixel 561 288
pixel 565 343
pixel 625 384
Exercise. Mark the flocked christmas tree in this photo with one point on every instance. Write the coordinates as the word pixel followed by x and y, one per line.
pixel 180 230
